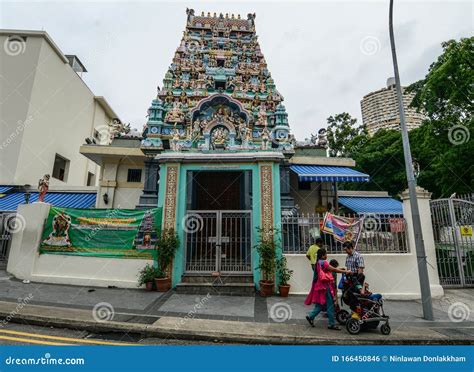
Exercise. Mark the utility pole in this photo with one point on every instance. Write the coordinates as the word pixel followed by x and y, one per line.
pixel 419 244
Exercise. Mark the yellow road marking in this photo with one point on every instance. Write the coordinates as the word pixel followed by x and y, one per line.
pixel 58 338
pixel 28 341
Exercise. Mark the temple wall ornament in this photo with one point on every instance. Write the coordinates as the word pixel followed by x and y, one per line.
pixel 218 72
pixel 266 197
pixel 169 212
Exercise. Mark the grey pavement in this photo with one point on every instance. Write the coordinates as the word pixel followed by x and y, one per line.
pixel 453 313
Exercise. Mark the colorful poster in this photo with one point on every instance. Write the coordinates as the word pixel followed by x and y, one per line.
pixel 342 228
pixel 117 233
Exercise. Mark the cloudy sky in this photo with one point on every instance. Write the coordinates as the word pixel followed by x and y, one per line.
pixel 324 55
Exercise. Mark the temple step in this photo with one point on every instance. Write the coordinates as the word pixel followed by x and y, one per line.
pixel 229 285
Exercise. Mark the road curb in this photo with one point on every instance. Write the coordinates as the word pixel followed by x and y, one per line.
pixel 217 334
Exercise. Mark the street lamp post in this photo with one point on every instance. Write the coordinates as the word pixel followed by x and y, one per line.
pixel 419 244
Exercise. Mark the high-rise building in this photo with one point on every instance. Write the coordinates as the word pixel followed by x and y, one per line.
pixel 380 109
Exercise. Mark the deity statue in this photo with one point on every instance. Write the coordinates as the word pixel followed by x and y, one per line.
pixel 175 115
pixel 219 137
pixel 196 128
pixel 175 139
pixel 265 134
pixel 262 116
pixel 322 138
pixel 242 130
pixel 190 14
pixel 43 187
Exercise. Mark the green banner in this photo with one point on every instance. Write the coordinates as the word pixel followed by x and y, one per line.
pixel 117 233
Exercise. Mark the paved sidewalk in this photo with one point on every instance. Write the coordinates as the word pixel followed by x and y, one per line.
pixel 229 318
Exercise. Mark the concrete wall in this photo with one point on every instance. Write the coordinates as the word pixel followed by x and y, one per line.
pixel 47 109
pixel 394 275
pixel 113 181
pixel 26 263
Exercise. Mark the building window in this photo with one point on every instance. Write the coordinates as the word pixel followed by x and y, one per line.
pixel 220 62
pixel 90 179
pixel 134 175
pixel 304 185
pixel 60 168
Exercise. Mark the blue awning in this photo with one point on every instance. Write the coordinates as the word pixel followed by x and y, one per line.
pixel 4 189
pixel 372 205
pixel 321 173
pixel 10 202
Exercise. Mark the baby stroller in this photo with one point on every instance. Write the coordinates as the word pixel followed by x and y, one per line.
pixel 366 313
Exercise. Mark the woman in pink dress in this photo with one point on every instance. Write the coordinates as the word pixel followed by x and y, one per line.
pixel 322 290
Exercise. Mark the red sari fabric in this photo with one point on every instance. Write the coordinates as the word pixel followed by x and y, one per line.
pixel 317 293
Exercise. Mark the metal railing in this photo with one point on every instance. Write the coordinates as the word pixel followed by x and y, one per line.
pixel 453 223
pixel 381 233
pixel 6 225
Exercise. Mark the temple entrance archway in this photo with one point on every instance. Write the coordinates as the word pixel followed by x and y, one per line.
pixel 218 222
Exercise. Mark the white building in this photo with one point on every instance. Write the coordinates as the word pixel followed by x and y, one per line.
pixel 380 110
pixel 46 113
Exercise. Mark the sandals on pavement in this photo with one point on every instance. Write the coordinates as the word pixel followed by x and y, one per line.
pixel 310 321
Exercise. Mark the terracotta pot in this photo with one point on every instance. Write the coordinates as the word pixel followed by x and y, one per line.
pixel 149 286
pixel 163 284
pixel 284 290
pixel 266 288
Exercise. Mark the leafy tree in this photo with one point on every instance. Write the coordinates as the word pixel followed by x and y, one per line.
pixel 380 156
pixel 341 129
pixel 445 94
pixel 443 145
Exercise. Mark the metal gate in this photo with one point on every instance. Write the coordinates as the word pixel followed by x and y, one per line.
pixel 218 241
pixel 453 221
pixel 6 224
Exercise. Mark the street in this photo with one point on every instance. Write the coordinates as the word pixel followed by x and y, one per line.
pixel 24 334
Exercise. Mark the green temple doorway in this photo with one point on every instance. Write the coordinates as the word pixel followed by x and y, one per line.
pixel 218 222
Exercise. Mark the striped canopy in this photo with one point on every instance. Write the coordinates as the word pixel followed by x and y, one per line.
pixel 321 173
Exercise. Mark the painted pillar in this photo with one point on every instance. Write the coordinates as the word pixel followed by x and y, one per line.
pixel 168 200
pixel 270 208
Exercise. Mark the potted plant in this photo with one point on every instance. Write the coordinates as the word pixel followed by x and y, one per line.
pixel 266 251
pixel 166 246
pixel 284 275
pixel 146 276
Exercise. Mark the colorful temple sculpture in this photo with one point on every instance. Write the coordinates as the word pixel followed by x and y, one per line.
pixel 219 158
pixel 218 93
pixel 219 133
